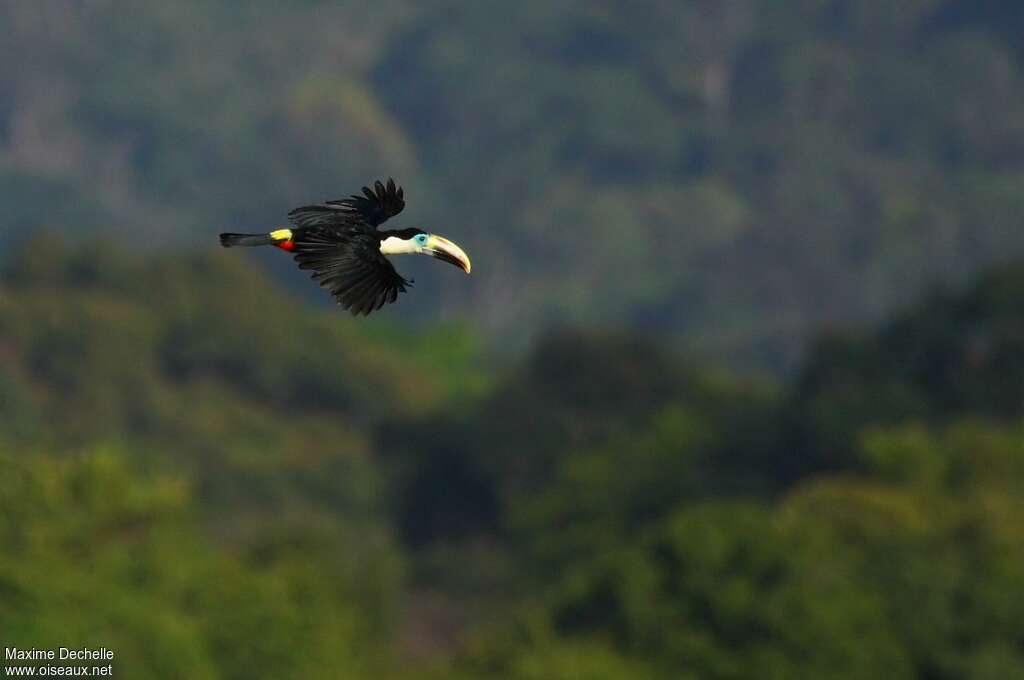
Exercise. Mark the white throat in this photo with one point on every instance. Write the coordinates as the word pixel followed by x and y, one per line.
pixel 393 245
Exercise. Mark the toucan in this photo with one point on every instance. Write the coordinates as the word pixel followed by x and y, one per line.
pixel 339 242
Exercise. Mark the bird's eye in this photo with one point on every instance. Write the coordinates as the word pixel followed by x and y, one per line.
pixel 421 239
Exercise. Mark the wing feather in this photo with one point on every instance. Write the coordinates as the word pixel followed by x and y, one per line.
pixel 373 208
pixel 348 264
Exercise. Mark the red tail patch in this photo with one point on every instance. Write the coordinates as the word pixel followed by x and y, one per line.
pixel 285 245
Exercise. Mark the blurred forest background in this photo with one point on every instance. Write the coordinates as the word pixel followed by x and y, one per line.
pixel 734 391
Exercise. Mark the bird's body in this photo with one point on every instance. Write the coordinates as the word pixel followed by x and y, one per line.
pixel 340 243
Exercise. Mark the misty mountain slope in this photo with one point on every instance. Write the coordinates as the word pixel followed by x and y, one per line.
pixel 733 174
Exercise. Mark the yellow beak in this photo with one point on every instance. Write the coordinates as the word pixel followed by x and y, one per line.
pixel 443 249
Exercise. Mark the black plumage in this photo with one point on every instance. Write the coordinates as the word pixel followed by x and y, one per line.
pixel 346 260
pixel 339 243
pixel 373 208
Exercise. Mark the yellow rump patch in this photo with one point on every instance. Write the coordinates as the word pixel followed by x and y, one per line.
pixel 281 234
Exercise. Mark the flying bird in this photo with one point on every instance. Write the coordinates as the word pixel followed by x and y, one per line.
pixel 338 241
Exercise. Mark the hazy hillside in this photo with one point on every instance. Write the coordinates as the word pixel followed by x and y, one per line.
pixel 732 173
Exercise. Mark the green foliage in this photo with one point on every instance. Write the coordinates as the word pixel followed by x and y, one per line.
pixel 952 355
pixel 97 555
pixel 883 576
pixel 194 463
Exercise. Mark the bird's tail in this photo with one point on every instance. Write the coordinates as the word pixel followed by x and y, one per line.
pixel 229 240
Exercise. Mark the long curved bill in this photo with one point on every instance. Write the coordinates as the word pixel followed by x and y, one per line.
pixel 443 249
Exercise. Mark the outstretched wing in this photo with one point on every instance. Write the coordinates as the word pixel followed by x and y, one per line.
pixel 374 208
pixel 378 205
pixel 350 266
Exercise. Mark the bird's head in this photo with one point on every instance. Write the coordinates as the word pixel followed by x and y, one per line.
pixel 415 240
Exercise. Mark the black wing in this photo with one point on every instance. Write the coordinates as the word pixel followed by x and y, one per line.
pixel 374 208
pixel 350 266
